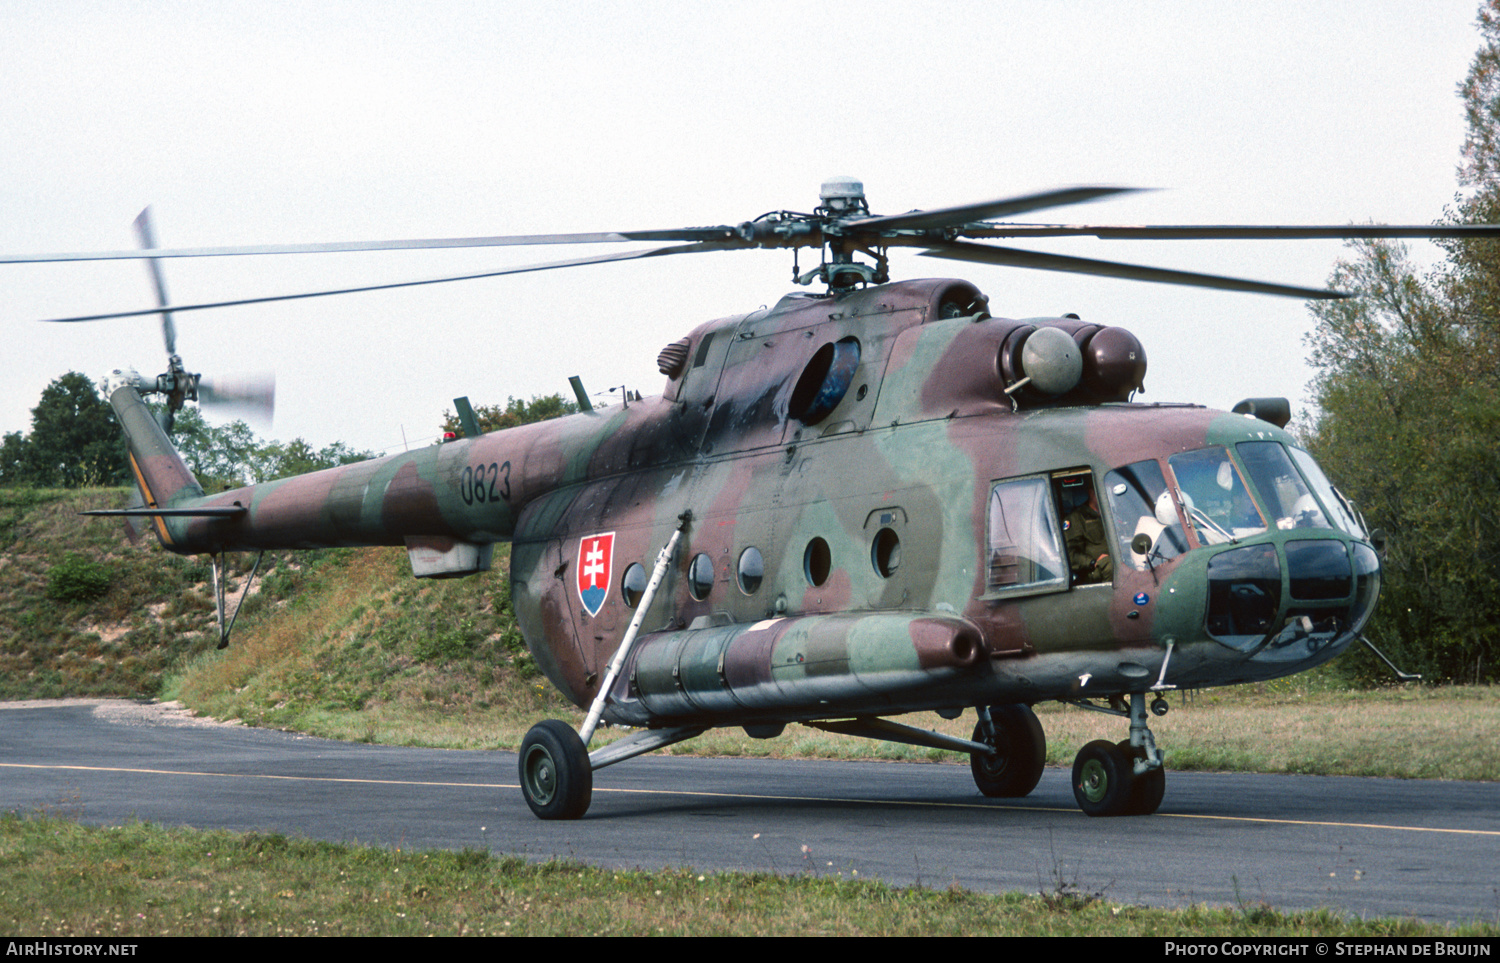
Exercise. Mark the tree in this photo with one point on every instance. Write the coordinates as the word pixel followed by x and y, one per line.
pixel 297 457
pixel 229 456
pixel 224 456
pixel 1407 425
pixel 74 440
pixel 514 412
pixel 1408 396
pixel 13 458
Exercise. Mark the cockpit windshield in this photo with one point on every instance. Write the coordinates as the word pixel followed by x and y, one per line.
pixel 1287 500
pixel 1280 486
pixel 1343 513
pixel 1226 495
pixel 1214 496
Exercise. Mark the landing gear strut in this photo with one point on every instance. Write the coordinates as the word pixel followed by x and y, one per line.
pixel 557 773
pixel 1125 778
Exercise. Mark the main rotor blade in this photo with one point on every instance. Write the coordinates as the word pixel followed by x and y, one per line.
pixel 522 269
pixel 1230 232
pixel 1010 257
pixel 333 247
pixel 147 234
pixel 953 216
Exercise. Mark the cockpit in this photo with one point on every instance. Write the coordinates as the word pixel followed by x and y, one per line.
pixel 1214 493
pixel 1290 570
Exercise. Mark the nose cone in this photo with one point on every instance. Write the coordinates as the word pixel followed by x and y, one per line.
pixel 1366 584
pixel 1302 603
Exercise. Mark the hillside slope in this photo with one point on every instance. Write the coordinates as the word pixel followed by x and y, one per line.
pixel 82 611
pixel 364 651
pixel 333 641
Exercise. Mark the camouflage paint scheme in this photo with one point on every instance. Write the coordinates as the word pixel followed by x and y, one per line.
pixel 913 446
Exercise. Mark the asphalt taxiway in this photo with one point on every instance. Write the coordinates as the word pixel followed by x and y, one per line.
pixel 1423 848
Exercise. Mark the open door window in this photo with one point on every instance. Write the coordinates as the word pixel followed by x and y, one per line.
pixel 1025 548
pixel 1089 558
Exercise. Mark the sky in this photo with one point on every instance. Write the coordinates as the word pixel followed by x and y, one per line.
pixel 328 121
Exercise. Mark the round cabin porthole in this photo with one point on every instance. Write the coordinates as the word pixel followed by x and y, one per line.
pixel 824 381
pixel 752 570
pixel 633 584
pixel 701 576
pixel 885 552
pixel 817 562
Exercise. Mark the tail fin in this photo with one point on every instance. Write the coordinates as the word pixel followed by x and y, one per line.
pixel 160 473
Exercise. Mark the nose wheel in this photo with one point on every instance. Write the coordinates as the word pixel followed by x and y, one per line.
pixel 1102 779
pixel 1121 779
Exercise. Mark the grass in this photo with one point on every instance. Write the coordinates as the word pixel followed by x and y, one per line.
pixel 1405 733
pixel 1299 726
pixel 61 879
pixel 365 652
pixel 1409 732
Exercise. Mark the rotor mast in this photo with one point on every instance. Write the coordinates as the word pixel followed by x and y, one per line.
pixel 843 199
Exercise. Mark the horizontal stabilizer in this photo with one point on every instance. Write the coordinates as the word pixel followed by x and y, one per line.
pixel 222 512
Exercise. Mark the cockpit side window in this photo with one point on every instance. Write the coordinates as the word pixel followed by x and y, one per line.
pixel 1134 494
pixel 1287 501
pixel 1214 496
pixel 1343 513
pixel 1025 550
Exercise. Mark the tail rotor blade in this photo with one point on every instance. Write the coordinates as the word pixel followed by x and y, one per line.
pixel 147 234
pixel 134 524
pixel 253 396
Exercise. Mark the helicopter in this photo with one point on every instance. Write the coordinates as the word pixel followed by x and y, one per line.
pixel 864 501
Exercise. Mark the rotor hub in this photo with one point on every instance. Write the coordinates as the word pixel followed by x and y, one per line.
pixel 843 195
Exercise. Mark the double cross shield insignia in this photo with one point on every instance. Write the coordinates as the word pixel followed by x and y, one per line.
pixel 595 564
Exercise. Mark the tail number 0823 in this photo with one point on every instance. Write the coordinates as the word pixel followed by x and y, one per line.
pixel 486 483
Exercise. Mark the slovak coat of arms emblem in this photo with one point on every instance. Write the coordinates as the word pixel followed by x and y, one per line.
pixel 596 555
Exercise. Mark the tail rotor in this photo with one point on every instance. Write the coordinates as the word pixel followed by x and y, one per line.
pixel 253 395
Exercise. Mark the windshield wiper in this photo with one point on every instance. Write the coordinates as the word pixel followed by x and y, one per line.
pixel 1198 516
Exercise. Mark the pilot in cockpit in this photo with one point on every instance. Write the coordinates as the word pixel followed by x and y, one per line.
pixel 1083 531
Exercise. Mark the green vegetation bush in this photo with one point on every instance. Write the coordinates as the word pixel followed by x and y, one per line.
pixel 77 579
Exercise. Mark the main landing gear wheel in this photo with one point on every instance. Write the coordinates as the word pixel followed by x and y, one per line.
pixel 1103 780
pixel 1020 753
pixel 556 778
